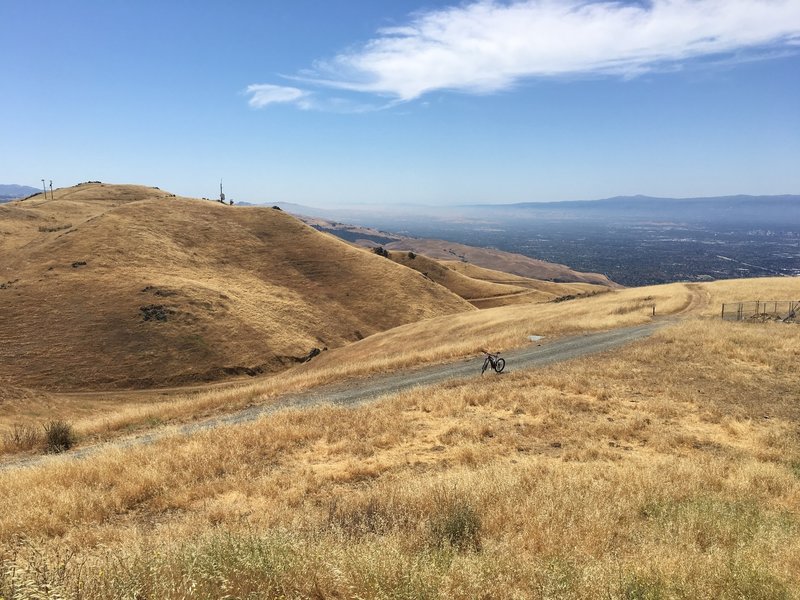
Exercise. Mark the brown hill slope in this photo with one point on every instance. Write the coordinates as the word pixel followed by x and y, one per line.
pixel 463 285
pixel 498 260
pixel 126 286
pixel 486 288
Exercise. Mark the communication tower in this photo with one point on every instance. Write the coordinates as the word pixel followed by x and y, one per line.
pixel 221 193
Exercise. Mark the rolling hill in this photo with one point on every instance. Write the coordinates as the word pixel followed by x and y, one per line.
pixel 119 286
pixel 498 260
pixel 485 288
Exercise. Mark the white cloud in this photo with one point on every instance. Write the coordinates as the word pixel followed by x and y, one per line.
pixel 263 94
pixel 488 46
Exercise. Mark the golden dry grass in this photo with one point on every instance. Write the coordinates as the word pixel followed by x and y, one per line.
pixel 670 468
pixel 72 299
pixel 429 341
pixel 458 283
pixel 98 416
pixel 750 290
pixel 485 288
pixel 554 289
pixel 506 262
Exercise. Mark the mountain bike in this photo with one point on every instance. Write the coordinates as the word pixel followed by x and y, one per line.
pixel 493 360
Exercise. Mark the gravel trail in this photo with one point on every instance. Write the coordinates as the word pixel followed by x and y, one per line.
pixel 358 392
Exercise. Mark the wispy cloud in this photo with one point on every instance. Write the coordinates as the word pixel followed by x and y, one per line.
pixel 264 94
pixel 491 45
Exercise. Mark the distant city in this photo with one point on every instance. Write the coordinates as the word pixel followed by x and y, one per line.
pixel 634 241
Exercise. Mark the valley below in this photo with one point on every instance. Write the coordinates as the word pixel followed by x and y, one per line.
pixel 633 241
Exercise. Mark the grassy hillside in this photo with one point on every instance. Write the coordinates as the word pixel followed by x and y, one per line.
pixel 496 288
pixel 666 469
pixel 498 260
pixel 126 286
pixel 475 291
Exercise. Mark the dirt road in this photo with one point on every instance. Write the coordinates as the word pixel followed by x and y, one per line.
pixel 358 392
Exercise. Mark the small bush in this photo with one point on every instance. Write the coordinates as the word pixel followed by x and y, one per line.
pixel 51 228
pixel 59 436
pixel 381 251
pixel 412 256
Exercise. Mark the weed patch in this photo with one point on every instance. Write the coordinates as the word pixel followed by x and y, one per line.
pixel 457 525
pixel 23 437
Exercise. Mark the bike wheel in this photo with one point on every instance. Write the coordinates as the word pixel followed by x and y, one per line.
pixel 485 364
pixel 500 365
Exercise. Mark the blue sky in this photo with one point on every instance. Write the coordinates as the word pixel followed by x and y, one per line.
pixel 338 103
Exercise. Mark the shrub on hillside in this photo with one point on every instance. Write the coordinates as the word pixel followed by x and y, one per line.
pixel 59 436
pixel 381 251
pixel 412 256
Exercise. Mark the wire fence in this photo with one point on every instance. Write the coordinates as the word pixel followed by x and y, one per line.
pixel 765 310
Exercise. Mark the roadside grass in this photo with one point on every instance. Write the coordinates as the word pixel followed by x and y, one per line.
pixel 748 290
pixel 647 472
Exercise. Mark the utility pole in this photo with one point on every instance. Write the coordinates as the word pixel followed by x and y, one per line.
pixel 51 190
pixel 44 189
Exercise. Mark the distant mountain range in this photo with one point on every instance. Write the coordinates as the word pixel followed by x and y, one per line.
pixel 740 210
pixel 640 200
pixel 636 203
pixel 10 191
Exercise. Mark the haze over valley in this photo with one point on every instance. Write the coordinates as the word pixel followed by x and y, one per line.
pixel 634 241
